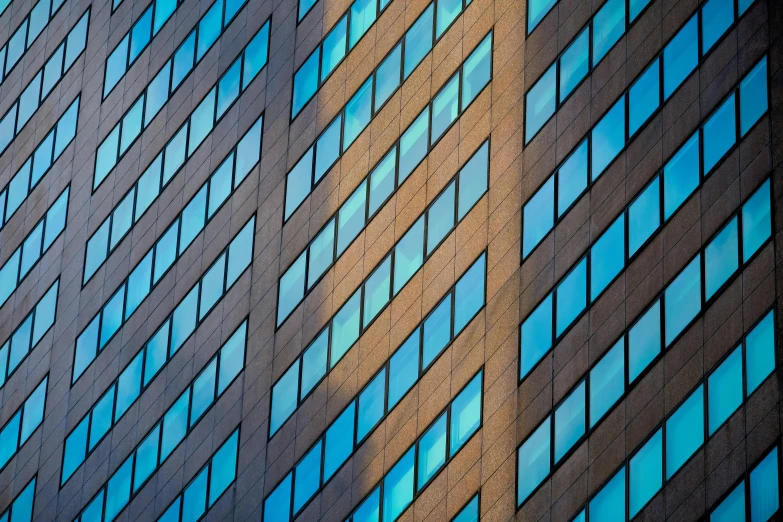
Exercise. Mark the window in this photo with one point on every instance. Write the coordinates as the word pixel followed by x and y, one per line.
pixel 338 446
pixel 608 137
pixel 644 216
pixel 363 13
pixel 681 176
pixel 465 414
pixel 473 185
pixel 644 97
pixel 357 113
pixel 371 405
pixel 284 397
pixel 387 76
pixel 437 331
pixel 418 41
pixel 571 179
pixel 724 388
pixel 538 217
pixel 305 82
pixel 469 294
pixel 570 421
pixel 345 328
pixel 719 133
pixel 644 341
pixel 476 71
pixel 540 103
pixel 716 17
pixel 469 513
pixel 440 217
pixel 445 107
pixel 680 56
pixel 571 297
pixel 533 461
pixel 732 509
pixel 447 12
pixel 753 95
pixel 607 257
pixel 721 258
pixel 413 145
pixel 683 299
pixel 760 353
pixel 608 505
pixel 333 49
pixel 574 64
pixel 404 368
pixel 607 381
pixel 408 255
pixel 307 476
pixel 536 333
pixel 376 291
pixel 756 221
pixel 608 27
pixel 764 496
pixel 432 451
pixel 537 9
pixel 684 432
pixel 314 362
pixel 398 486
pixel 351 217
pixel 646 473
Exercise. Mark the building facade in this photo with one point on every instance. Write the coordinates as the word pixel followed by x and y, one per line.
pixel 382 260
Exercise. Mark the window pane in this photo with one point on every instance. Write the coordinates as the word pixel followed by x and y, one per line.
pixel 432 451
pixel 284 398
pixel 445 107
pixel 339 441
pixel 111 317
pixel 732 509
pixel 437 331
pixel 609 503
pixel 760 352
pixel 473 180
pixel 101 418
pixel 608 27
pixel 228 89
pixel 183 60
pixel 470 513
pixel 719 134
pixel 75 449
pixel 345 328
pixel 539 216
pixel 203 391
pixel 753 95
pixel 764 500
pixel 469 294
pixel 721 258
pixel 681 56
pixel 129 384
pixel 212 286
pixel 351 218
pixel 608 138
pixel 681 176
pixel 607 381
pixel 371 405
pixel 418 40
pixel 533 461
pixel 683 300
pixel 376 291
pixel 536 334
pixel 308 477
pixel 165 251
pixel 537 10
pixel 447 13
pixel 146 458
pixel 194 500
pixel 357 113
pixel 644 216
pixel 334 47
pixel 201 121
pixel 756 221
pixel 440 218
pixel 118 490
pixel 291 289
pixel 684 432
pixel 403 368
pixel 644 97
pixel 157 352
pixel 305 82
pixel 570 421
pixel 574 64
pixel 370 509
pixel 327 148
pixel 413 145
pixel 175 425
pixel 387 76
pixel 321 254
pixel 571 296
pixel 646 473
pixel 398 487
pixel 725 390
pixel 465 414
pixel 408 255
pixel 571 179
pixel 607 257
pixel 716 17
pixel 193 218
pixel 314 362
pixel 363 13
pixel 278 505
pixel 644 341
pixel 476 71
pixel 540 103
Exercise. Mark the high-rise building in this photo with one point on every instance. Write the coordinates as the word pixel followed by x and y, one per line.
pixel 381 260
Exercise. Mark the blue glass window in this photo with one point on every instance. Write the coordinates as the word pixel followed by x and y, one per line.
pixel 608 27
pixel 327 149
pixel 292 286
pixel 469 294
pixel 223 468
pixel 432 451
pixel 644 341
pixel 681 56
pixel 129 383
pixel 716 17
pixel 476 71
pixel 684 432
pixel 284 397
pixel 636 7
pixel 607 381
pixel 437 331
pixel 321 254
pixel 608 138
pixel 413 145
pixel 719 134
pixel 339 444
pixel 203 391
pixel 536 335
pixel 465 414
pixel 376 291
pixel 118 490
pixel 398 486
pixel 469 513
pixel 756 221
pixel 571 179
pixel 387 76
pixel 351 218
pixel 753 96
pixel 732 509
pixel 537 9
pixel 314 362
pixel 607 257
pixel 371 405
pixel 305 82
pixel 681 176
pixel 334 47
pixel 721 258
pixel 418 40
pixel 440 218
pixel 403 368
pixel 445 107
pixel 447 12
pixel 609 503
pixel 363 13
pixel 644 216
pixel 644 97
pixel 146 458
pixel 760 352
pixel 574 64
pixel 358 112
pixel 570 421
pixel 646 473
pixel 724 389
pixel 308 477
pixel 764 489
pixel 408 255
pixel 538 216
pixel 278 504
pixel 683 300
pixel 571 297
pixel 533 461
pixel 540 103
pixel 473 184
pixel 175 424
pixel 345 329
